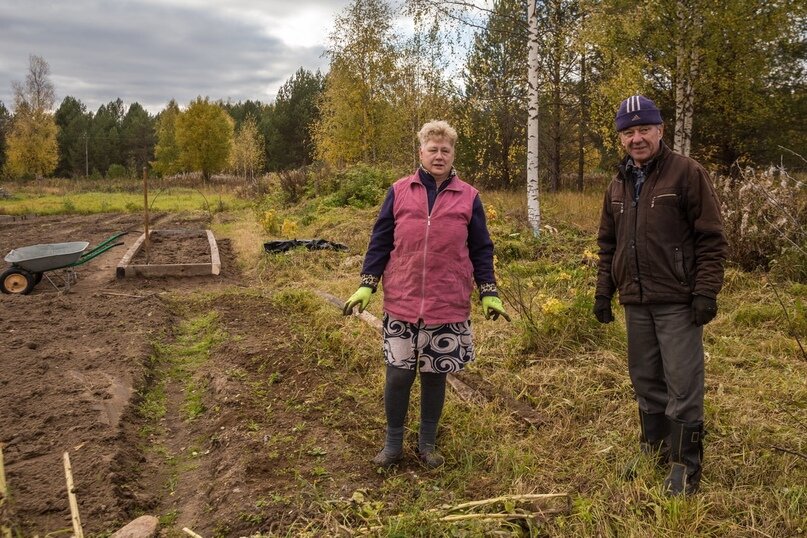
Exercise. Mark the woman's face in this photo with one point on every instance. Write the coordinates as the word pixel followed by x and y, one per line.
pixel 437 157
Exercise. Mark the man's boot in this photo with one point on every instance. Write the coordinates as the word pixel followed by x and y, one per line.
pixel 653 442
pixel 686 454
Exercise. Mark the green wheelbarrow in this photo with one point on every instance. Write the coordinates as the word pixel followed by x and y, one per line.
pixel 30 264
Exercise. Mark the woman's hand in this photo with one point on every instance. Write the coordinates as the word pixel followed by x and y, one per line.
pixel 360 298
pixel 492 307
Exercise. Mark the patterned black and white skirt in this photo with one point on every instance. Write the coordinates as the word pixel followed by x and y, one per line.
pixel 441 348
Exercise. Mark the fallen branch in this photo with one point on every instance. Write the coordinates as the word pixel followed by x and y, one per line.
pixel 503 498
pixel 788 451
pixel 189 532
pixel 491 516
pixel 496 516
pixel 125 294
pixel 365 316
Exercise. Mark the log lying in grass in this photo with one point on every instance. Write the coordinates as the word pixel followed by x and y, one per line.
pixel 470 388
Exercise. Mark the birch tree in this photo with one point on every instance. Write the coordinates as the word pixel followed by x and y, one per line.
pixel 689 23
pixel 463 15
pixel 247 154
pixel 533 178
pixel 493 121
pixel 31 145
pixel 357 123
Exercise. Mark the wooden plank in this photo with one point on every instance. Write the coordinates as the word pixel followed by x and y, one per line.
pixel 120 270
pixel 215 260
pixel 78 532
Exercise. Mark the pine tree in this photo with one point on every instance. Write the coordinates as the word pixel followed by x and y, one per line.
pixel 289 128
pixel 494 113
pixel 137 138
pixel 73 122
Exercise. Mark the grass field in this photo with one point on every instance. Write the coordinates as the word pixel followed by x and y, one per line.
pixel 86 197
pixel 554 357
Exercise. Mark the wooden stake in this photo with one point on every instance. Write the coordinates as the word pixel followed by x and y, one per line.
pixel 71 497
pixel 146 211
pixel 3 490
pixel 5 531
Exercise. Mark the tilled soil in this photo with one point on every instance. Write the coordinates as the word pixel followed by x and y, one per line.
pixel 70 366
pixel 280 441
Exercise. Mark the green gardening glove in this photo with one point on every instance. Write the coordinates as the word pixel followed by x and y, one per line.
pixel 492 307
pixel 361 298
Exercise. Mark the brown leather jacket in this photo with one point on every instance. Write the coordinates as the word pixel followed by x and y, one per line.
pixel 667 246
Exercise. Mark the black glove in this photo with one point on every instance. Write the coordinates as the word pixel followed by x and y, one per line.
pixel 602 309
pixel 704 309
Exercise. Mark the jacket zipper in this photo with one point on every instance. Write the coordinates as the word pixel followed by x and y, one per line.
pixel 653 201
pixel 426 251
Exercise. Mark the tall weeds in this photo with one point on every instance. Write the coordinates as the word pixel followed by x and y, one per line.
pixel 765 216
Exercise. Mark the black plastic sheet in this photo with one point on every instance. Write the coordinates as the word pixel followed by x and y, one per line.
pixel 310 244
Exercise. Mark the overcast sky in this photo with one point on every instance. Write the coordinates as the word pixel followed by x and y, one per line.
pixel 150 51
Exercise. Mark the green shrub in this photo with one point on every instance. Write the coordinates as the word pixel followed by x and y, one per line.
pixel 116 171
pixel 68 206
pixel 359 186
pixel 553 305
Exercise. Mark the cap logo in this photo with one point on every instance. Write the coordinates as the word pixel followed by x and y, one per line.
pixel 635 117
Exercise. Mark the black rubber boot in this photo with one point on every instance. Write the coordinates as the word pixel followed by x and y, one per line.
pixel 654 440
pixel 686 455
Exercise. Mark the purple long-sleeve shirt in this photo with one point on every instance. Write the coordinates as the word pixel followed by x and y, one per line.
pixel 480 245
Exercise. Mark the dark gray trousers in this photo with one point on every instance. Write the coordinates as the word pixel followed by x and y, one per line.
pixel 665 360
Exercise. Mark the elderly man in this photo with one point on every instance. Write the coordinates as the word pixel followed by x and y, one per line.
pixel 661 244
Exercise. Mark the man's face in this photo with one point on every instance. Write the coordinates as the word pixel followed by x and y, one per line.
pixel 437 156
pixel 642 141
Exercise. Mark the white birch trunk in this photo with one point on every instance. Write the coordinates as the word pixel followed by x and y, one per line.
pixel 533 196
pixel 686 72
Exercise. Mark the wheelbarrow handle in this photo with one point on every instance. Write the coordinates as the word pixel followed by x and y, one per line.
pixel 97 251
pixel 99 248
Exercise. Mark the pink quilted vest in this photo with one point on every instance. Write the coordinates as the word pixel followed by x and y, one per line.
pixel 429 275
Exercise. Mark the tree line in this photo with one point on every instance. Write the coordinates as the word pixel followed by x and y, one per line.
pixel 729 76
pixel 244 138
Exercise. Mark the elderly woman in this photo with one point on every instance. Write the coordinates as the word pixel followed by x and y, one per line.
pixel 429 244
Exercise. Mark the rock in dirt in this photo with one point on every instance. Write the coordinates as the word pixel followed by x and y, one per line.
pixel 142 527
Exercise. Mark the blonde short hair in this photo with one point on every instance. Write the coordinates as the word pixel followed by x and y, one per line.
pixel 436 129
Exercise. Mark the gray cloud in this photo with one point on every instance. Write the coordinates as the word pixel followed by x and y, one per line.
pixel 151 52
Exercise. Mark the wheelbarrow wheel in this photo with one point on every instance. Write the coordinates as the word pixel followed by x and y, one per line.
pixel 37 278
pixel 17 281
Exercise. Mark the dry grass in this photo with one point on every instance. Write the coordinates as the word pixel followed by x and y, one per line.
pixel 575 375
